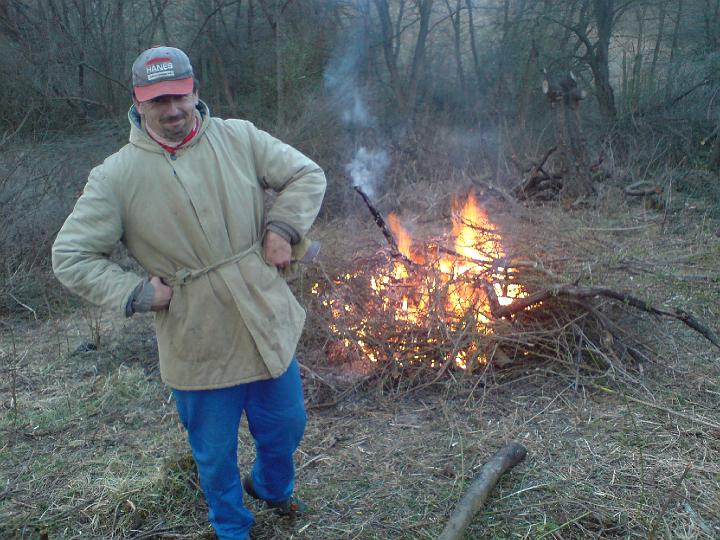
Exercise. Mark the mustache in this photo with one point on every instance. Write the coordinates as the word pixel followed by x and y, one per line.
pixel 180 116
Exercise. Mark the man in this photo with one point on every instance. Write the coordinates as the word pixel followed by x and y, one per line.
pixel 186 198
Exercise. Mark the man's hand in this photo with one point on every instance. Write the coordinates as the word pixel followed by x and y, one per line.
pixel 163 294
pixel 276 250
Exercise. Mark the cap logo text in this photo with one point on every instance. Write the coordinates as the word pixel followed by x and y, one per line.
pixel 159 70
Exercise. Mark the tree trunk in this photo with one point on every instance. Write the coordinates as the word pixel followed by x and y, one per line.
pixel 163 22
pixel 398 29
pixel 279 82
pixel 604 13
pixel 565 97
pixel 567 23
pixel 500 93
pixel 658 42
pixel 672 67
pixel 712 20
pixel 473 42
pixel 250 23
pixel 715 153
pixel 9 25
pixel 418 66
pixel 455 19
pixel 157 9
pixel 625 82
pixel 388 45
pixel 526 86
pixel 637 61
pixel 118 49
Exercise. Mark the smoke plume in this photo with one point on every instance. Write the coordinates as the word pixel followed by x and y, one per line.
pixel 366 168
pixel 343 83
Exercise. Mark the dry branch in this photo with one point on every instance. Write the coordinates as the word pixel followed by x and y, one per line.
pixel 539 184
pixel 573 291
pixel 539 167
pixel 504 459
pixel 671 496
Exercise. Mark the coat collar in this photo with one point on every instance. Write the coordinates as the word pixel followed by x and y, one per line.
pixel 140 138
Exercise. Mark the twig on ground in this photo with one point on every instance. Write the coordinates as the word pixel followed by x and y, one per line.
pixel 563 525
pixel 695 419
pixel 671 495
pixel 24 305
pixel 344 393
pixel 315 375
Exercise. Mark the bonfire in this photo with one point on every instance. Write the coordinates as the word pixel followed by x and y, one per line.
pixel 424 304
pixel 459 302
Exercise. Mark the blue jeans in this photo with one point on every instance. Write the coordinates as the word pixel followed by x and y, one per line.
pixel 276 416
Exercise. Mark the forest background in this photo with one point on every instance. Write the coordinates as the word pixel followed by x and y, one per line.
pixel 410 81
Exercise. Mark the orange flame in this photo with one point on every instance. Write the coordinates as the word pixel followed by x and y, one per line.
pixel 402 236
pixel 475 236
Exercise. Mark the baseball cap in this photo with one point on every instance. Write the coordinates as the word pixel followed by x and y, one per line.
pixel 162 70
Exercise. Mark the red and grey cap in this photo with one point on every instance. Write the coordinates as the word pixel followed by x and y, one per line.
pixel 162 70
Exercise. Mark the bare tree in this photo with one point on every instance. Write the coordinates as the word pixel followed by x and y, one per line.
pixel 391 48
pixel 405 89
pixel 597 19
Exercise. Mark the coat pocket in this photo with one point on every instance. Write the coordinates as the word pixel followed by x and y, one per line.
pixel 176 307
pixel 271 313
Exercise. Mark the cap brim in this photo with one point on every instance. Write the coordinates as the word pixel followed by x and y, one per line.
pixel 163 88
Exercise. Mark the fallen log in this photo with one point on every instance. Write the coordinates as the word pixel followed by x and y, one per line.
pixel 642 189
pixel 504 459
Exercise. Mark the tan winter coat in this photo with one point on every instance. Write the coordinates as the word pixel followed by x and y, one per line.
pixel 234 324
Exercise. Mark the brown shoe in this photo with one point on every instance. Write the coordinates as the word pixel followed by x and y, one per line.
pixel 291 507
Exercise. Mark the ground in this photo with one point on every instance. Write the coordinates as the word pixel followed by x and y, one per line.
pixel 91 447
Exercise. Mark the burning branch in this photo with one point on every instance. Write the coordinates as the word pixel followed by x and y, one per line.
pixel 380 222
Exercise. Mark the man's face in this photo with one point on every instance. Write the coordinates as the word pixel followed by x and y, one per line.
pixel 170 116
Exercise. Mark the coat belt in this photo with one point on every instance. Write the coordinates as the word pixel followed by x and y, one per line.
pixel 186 275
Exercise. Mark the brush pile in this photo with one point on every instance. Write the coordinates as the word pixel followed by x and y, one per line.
pixel 459 303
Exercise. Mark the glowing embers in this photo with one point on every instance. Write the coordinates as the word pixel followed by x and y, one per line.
pixel 428 307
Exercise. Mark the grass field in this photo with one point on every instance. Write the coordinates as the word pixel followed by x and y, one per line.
pixel 91 447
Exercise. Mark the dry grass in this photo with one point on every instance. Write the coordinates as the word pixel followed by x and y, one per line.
pixel 91 446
